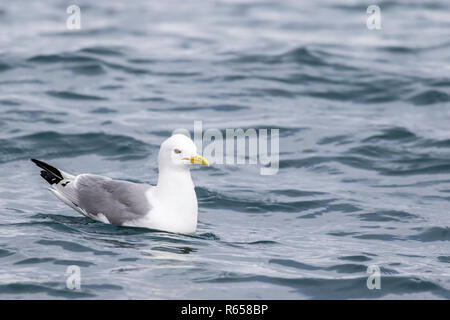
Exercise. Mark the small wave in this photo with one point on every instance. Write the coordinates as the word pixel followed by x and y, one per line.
pixel 293 193
pixel 430 97
pixel 111 87
pixel 382 237
pixel 214 199
pixel 81 63
pixel 96 287
pixel 103 110
pixel 150 99
pixel 74 247
pixel 396 133
pixel 363 95
pixel 88 70
pixel 389 216
pixel 87 33
pixel 309 162
pixel 342 233
pixel 142 61
pixel 331 207
pixel 209 236
pixel 8 102
pixel 102 51
pixel 262 242
pixel 338 268
pixel 80 263
pixel 357 6
pixel 439 83
pixel 68 95
pixel 46 224
pixel 299 55
pixel 357 258
pixel 34 261
pixel 53 144
pixel 5 253
pixel 33 116
pixel 27 289
pixel 348 268
pixel 433 234
pixel 62 58
pixel 218 108
pixel 227 107
pixel 294 264
pixel 127 69
pixel 338 140
pixel 349 288
pixel 400 49
pixel 5 67
pixel 175 249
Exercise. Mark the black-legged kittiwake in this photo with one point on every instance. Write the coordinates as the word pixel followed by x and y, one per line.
pixel 171 205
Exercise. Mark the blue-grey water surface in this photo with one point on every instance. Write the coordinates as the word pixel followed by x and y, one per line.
pixel 364 118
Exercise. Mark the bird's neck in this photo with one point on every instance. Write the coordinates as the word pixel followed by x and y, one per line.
pixel 174 181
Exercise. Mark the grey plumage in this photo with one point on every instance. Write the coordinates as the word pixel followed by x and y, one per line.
pixel 93 195
pixel 119 201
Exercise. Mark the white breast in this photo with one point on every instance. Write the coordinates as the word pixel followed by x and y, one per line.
pixel 172 212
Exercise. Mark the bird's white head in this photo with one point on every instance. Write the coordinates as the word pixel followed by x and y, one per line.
pixel 180 152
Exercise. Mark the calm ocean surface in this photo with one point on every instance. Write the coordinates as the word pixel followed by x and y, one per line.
pixel 364 119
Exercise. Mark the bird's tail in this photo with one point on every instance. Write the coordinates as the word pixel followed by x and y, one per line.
pixel 50 174
pixel 64 190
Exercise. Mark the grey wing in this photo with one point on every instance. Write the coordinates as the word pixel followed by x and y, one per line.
pixel 119 201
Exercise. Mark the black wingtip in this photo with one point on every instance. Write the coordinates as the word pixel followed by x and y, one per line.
pixel 50 178
pixel 52 175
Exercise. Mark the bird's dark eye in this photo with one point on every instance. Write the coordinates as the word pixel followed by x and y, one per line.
pixel 177 151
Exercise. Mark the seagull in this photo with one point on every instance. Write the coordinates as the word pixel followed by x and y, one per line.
pixel 169 206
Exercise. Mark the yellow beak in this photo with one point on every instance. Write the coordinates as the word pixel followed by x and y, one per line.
pixel 198 159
